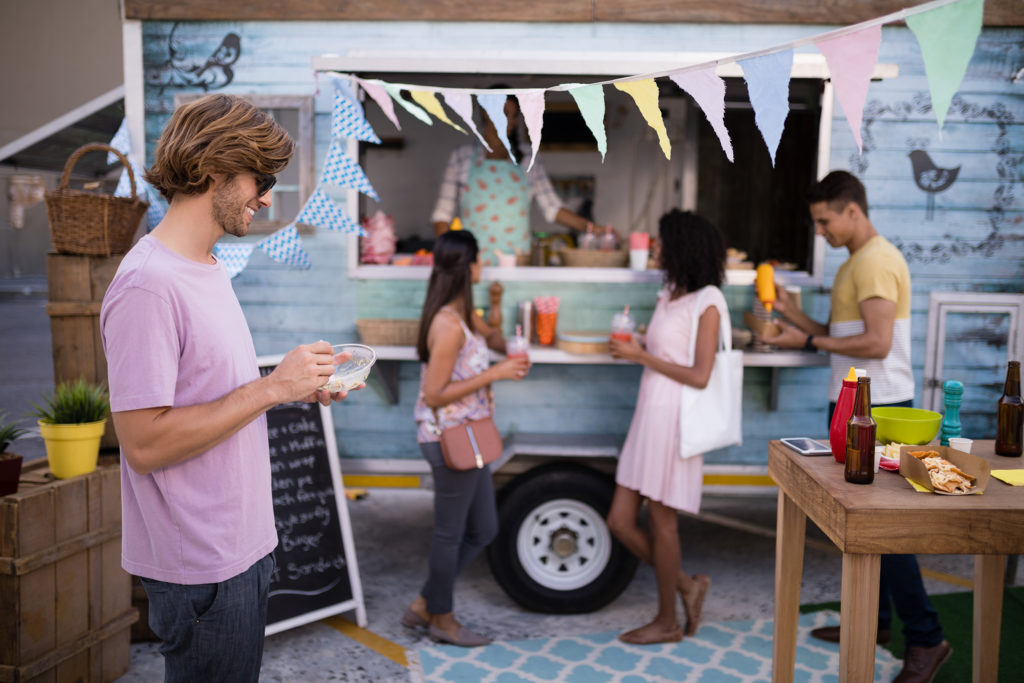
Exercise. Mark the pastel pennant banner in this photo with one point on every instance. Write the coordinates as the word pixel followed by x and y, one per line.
pixel 341 170
pixel 947 37
pixel 347 121
pixel 235 257
pixel 396 94
pixel 531 104
pixel 322 212
pixel 767 78
pixel 429 101
pixel 494 105
pixel 375 89
pixel 123 144
pixel 590 100
pixel 851 59
pixel 284 246
pixel 708 91
pixel 645 94
pixel 462 104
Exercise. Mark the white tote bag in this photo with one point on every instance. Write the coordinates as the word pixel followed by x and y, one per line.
pixel 711 417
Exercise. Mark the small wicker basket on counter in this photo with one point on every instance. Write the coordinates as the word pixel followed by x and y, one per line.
pixel 388 331
pixel 595 258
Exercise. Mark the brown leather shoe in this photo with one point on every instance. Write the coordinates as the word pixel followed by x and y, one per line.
pixel 831 634
pixel 922 663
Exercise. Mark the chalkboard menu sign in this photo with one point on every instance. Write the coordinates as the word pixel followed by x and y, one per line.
pixel 316 575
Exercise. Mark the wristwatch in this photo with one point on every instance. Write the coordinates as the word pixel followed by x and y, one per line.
pixel 809 344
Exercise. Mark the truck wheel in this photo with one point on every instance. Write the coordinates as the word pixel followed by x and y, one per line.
pixel 554 552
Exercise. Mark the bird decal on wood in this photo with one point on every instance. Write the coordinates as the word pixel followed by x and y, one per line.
pixel 931 178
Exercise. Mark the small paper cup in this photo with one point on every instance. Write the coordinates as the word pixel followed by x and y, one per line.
pixel 638 259
pixel 879 452
pixel 958 443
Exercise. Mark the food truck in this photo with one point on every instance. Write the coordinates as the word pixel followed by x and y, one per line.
pixel 564 424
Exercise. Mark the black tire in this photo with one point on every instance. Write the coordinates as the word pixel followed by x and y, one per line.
pixel 570 562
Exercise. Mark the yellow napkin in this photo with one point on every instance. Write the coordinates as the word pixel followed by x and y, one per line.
pixel 1011 477
pixel 917 487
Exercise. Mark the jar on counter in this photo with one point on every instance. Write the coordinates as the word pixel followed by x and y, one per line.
pixel 540 249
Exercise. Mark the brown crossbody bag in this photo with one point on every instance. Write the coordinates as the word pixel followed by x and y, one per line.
pixel 471 445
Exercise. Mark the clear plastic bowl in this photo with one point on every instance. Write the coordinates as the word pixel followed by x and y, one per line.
pixel 352 372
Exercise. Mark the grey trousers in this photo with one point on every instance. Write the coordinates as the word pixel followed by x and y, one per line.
pixel 465 521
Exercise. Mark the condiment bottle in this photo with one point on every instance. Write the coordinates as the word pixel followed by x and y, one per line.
pixel 608 241
pixel 844 408
pixel 860 437
pixel 587 240
pixel 1010 415
pixel 764 284
pixel 952 391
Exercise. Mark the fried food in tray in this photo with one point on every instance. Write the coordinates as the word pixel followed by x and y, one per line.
pixel 944 475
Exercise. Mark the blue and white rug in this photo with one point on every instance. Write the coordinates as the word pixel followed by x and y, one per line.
pixel 728 651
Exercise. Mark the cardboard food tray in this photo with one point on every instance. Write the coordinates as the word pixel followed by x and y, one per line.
pixel 762 328
pixel 914 469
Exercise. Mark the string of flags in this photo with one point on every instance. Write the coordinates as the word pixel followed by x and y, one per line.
pixel 946 32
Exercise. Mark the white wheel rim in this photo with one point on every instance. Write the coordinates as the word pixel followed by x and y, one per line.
pixel 564 518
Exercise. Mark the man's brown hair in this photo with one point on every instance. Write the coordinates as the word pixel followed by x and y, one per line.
pixel 216 134
pixel 838 189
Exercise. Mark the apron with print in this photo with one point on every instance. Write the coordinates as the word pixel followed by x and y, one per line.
pixel 496 206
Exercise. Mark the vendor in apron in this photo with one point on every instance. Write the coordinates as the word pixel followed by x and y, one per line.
pixel 491 194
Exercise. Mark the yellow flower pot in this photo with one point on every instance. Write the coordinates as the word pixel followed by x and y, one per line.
pixel 72 449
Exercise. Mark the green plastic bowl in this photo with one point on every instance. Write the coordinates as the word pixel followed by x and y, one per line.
pixel 913 426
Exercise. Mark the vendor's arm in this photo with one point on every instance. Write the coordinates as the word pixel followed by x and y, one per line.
pixel 879 316
pixel 696 375
pixel 550 203
pixel 786 306
pixel 455 173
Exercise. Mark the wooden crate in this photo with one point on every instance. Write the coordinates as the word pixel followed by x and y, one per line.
pixel 65 601
pixel 76 288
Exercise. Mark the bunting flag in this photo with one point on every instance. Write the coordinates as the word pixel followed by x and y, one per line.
pixel 376 90
pixel 851 59
pixel 708 91
pixel 462 104
pixel 123 144
pixel 590 100
pixel 340 170
pixel 429 101
pixel 645 94
pixel 396 94
pixel 121 141
pixel 347 121
pixel 322 212
pixel 284 246
pixel 947 36
pixel 767 80
pixel 531 104
pixel 494 105
pixel 235 257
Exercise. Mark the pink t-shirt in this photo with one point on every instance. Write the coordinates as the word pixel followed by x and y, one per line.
pixel 175 335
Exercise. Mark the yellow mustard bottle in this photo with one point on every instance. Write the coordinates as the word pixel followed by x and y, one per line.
pixel 764 282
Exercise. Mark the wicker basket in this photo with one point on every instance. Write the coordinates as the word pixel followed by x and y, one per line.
pixel 594 258
pixel 89 223
pixel 388 331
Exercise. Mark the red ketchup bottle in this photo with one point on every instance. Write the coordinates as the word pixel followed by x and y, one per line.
pixel 843 411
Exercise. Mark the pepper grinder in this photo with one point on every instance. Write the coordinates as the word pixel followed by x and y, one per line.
pixel 494 315
pixel 952 396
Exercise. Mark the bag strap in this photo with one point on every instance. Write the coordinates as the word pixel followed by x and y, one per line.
pixel 724 324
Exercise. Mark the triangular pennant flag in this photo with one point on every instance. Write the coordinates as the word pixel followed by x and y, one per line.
pixel 947 36
pixel 462 104
pixel 321 211
pixel 494 105
pixel 375 90
pixel 851 59
pixel 347 121
pixel 343 84
pixel 429 101
pixel 341 170
pixel 121 142
pixel 396 94
pixel 531 104
pixel 284 246
pixel 708 91
pixel 157 208
pixel 767 80
pixel 645 94
pixel 590 100
pixel 235 257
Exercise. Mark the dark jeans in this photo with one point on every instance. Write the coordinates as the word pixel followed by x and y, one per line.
pixel 212 631
pixel 900 584
pixel 465 521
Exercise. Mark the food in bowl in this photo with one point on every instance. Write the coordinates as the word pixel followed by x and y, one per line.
pixel 352 372
pixel 914 426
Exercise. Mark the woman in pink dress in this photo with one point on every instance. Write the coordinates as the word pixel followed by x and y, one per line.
pixel 650 467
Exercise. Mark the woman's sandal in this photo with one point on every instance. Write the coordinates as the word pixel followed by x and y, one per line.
pixel 412 620
pixel 694 610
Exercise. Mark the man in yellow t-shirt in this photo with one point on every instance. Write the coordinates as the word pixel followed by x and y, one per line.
pixel 869 327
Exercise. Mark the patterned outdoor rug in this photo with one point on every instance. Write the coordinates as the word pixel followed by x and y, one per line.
pixel 728 651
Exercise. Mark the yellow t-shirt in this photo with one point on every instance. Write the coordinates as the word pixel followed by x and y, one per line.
pixel 877 269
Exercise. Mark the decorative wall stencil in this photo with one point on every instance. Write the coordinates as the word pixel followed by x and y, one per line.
pixel 204 69
pixel 931 178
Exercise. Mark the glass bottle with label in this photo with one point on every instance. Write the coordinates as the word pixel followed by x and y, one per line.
pixel 860 437
pixel 1010 415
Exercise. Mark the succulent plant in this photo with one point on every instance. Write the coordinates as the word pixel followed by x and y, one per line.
pixel 75 403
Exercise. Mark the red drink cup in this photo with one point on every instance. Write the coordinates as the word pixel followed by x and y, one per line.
pixel 622 336
pixel 517 347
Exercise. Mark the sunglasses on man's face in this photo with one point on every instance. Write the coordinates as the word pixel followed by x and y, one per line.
pixel 264 181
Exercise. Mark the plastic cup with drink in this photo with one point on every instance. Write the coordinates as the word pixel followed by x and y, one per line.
pixel 623 325
pixel 547 318
pixel 517 346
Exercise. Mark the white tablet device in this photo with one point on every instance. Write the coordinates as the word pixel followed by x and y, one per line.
pixel 805 446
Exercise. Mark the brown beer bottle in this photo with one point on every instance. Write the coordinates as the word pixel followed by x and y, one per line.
pixel 1010 415
pixel 860 437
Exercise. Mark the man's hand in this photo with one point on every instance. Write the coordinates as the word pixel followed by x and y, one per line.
pixel 301 373
pixel 790 337
pixel 784 303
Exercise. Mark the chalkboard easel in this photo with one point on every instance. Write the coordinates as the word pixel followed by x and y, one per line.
pixel 317 575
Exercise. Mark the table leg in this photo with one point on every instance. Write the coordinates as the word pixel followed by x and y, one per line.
pixel 791 526
pixel 988 616
pixel 858 617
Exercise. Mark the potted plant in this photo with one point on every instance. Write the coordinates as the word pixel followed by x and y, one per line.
pixel 72 424
pixel 10 463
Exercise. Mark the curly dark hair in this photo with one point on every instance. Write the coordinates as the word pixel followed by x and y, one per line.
pixel 692 251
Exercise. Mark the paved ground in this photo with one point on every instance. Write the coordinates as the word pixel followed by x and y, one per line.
pixel 732 541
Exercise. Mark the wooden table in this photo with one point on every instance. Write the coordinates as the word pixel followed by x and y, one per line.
pixel 888 516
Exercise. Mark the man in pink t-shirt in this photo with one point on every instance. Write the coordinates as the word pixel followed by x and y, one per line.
pixel 188 401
